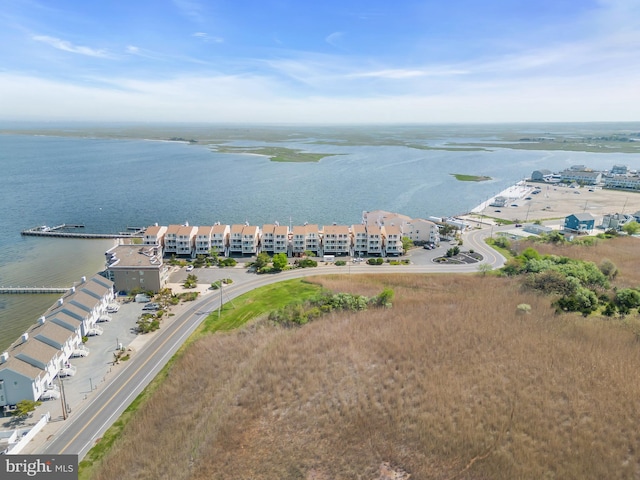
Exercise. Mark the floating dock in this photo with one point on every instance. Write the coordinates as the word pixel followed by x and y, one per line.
pixel 60 231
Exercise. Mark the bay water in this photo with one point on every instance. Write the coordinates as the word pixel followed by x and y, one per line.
pixel 109 184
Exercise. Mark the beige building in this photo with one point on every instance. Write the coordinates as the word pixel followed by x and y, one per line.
pixel 306 238
pixel 154 235
pixel 374 240
pixel 250 239
pixel 171 239
pixel 336 240
pixel 132 267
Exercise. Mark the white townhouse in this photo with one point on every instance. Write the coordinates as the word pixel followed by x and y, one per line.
pixel 186 240
pixel 29 365
pixel 360 241
pixel 204 235
pixel 281 239
pixel 250 239
pixel 235 239
pixel 374 240
pixel 392 240
pixel 623 182
pixel 583 177
pixel 268 237
pixel 171 239
pixel 220 238
pixel 336 239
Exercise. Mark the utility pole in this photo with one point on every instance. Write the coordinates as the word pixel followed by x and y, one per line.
pixel 62 398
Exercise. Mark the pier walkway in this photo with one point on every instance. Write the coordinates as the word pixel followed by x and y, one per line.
pixel 33 289
pixel 60 231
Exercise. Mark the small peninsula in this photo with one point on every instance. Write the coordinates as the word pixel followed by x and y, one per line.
pixel 471 178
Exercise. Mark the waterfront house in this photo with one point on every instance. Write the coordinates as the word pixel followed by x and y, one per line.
pixel 281 239
pixel 220 238
pixel 235 239
pixel 579 223
pixel 541 175
pixel 186 240
pixel 204 236
pixel 171 239
pixel 267 238
pixel 154 235
pixel 336 240
pixel 616 221
pixel 306 238
pixel 137 267
pixel 250 239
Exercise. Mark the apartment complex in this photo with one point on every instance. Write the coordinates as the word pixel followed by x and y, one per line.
pixel 380 233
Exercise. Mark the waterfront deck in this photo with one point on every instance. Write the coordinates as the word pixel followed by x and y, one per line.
pixel 61 232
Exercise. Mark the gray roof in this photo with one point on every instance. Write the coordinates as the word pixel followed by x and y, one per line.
pixel 583 217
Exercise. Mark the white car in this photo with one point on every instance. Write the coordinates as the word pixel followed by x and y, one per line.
pixel 189 268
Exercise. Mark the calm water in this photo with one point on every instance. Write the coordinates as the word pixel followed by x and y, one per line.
pixel 109 184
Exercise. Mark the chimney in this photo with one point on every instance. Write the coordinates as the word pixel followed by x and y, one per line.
pixel 83 279
pixel 24 337
pixel 41 320
pixel 60 302
pixel 73 289
pixel 4 357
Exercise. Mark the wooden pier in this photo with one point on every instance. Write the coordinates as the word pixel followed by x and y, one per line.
pixel 59 231
pixel 34 289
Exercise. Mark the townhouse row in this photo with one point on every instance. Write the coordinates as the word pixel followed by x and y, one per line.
pixel 29 366
pixel 380 233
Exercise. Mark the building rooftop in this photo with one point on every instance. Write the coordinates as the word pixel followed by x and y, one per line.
pixel 134 256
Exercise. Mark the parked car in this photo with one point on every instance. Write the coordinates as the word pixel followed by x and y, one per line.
pixel 189 268
pixel 518 225
pixel 151 307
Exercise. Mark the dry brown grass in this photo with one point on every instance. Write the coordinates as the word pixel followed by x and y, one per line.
pixel 449 383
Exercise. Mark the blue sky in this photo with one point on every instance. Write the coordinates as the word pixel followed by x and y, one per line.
pixel 330 61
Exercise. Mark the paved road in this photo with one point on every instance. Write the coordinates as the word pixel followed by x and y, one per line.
pixel 85 427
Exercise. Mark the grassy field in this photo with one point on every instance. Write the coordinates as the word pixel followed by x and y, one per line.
pixel 277 154
pixel 452 382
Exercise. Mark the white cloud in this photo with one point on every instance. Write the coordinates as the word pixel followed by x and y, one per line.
pixel 400 74
pixel 205 37
pixel 334 39
pixel 69 47
pixel 258 99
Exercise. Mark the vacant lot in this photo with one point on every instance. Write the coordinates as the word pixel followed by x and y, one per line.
pixel 449 383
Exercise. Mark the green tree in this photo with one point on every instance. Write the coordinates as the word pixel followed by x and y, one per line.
pixel 608 269
pixel 214 254
pixel 262 260
pixel 191 281
pixel 407 244
pixel 24 408
pixel 631 228
pixel 280 261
